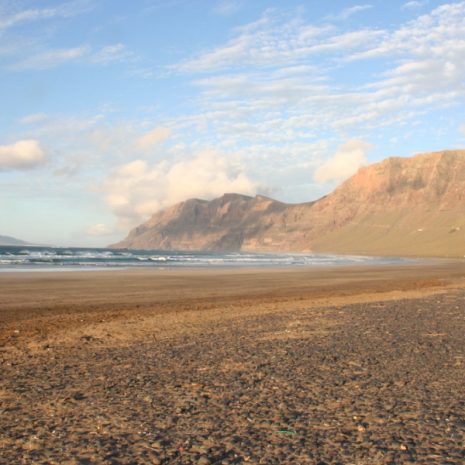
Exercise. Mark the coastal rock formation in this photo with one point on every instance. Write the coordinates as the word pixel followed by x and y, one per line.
pixel 400 206
pixel 7 240
pixel 221 224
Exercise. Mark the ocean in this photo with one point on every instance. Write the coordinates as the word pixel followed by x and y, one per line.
pixel 79 259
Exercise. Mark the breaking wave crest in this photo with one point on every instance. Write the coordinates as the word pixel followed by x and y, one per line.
pixel 48 258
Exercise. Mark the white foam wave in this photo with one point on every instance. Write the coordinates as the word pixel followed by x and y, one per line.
pixel 61 258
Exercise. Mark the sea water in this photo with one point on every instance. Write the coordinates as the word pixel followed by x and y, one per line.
pixel 68 259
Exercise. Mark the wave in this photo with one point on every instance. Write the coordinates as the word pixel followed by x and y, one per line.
pixel 12 258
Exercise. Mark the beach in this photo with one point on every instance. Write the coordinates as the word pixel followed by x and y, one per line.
pixel 336 365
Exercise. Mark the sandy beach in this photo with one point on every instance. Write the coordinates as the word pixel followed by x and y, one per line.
pixel 342 365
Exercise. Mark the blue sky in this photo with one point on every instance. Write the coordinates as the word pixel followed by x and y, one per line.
pixel 112 110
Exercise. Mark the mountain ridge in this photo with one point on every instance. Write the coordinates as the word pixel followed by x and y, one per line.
pixel 399 206
pixel 8 240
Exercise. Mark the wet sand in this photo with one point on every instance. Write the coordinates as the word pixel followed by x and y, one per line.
pixel 359 365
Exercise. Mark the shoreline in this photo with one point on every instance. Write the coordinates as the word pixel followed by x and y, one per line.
pixel 47 259
pixel 39 308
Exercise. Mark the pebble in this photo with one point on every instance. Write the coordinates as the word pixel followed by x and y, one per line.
pixel 373 388
pixel 203 461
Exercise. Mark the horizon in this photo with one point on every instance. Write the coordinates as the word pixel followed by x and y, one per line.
pixel 113 112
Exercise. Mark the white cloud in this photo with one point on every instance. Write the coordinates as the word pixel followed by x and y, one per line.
pixel 270 41
pixel 257 85
pixel 153 137
pixel 33 118
pixel 136 190
pixel 64 10
pixel 90 143
pixel 413 5
pixel 348 12
pixel 275 41
pixel 33 51
pixel 346 161
pixel 462 129
pixel 99 229
pixel 228 7
pixel 50 58
pixel 22 155
pixel 264 84
pixel 265 93
pixel 429 69
pixel 116 53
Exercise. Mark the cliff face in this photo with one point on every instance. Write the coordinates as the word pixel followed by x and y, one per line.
pixel 221 224
pixel 400 206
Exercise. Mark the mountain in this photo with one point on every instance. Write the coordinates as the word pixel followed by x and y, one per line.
pixel 400 206
pixel 7 240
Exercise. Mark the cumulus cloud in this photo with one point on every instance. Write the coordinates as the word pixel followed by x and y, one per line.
pixel 22 155
pixel 153 137
pixel 346 161
pixel 136 190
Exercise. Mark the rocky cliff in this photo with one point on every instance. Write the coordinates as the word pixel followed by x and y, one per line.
pixel 400 206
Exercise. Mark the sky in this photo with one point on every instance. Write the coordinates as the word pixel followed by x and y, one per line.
pixel 112 110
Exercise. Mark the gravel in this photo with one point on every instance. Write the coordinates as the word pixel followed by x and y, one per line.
pixel 378 383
